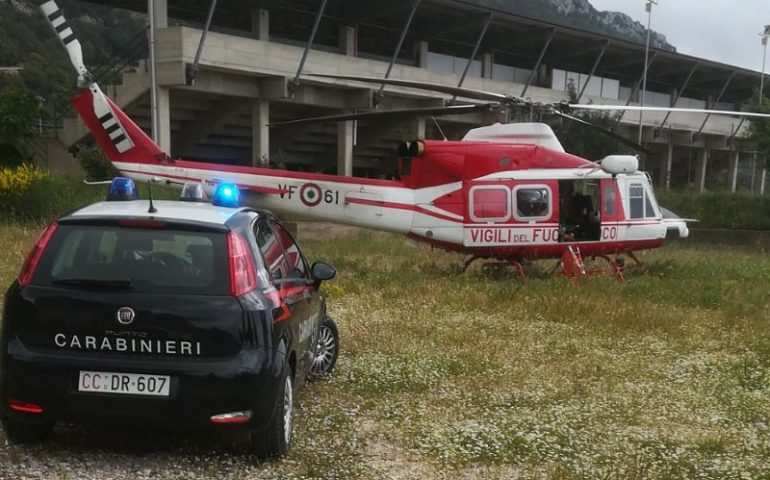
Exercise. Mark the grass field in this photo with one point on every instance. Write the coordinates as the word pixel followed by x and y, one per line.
pixel 478 375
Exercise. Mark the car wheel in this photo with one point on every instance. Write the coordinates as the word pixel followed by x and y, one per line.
pixel 274 441
pixel 327 349
pixel 18 432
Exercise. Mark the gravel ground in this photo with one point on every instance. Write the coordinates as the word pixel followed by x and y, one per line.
pixel 87 452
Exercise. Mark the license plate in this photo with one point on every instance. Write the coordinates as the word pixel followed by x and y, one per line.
pixel 124 383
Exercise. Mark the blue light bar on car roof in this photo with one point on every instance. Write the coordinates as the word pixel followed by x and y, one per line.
pixel 122 189
pixel 226 195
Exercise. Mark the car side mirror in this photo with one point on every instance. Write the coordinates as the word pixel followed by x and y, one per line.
pixel 322 271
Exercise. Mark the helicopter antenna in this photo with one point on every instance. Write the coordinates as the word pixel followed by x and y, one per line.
pixel 152 208
pixel 439 128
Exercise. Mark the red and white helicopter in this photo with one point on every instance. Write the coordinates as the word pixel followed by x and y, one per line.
pixel 507 192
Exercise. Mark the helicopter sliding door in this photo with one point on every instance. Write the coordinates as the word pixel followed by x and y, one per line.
pixel 612 212
pixel 580 210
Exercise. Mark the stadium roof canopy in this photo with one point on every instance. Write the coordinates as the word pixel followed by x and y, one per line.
pixel 453 27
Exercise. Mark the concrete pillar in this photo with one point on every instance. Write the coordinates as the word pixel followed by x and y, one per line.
pixel 260 24
pixel 160 12
pixel 758 176
pixel 732 172
pixel 349 41
pixel 418 129
pixel 665 168
pixel 345 148
pixel 164 118
pixel 700 170
pixel 421 54
pixel 163 135
pixel 162 94
pixel 260 132
pixel 543 76
pixel 487 60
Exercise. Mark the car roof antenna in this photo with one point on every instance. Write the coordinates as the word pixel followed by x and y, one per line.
pixel 152 208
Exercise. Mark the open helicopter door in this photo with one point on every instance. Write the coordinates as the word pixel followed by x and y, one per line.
pixel 589 210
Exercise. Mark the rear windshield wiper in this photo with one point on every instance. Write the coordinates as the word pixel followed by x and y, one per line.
pixel 95 283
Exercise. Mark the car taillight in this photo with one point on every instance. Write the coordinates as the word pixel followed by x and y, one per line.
pixel 26 407
pixel 243 275
pixel 30 265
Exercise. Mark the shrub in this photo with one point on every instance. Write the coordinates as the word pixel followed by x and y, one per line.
pixel 16 181
pixel 28 193
pixel 96 165
pixel 739 211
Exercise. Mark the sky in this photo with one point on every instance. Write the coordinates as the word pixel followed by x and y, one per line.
pixel 725 31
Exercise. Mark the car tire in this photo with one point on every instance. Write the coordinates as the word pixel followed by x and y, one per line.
pixel 327 350
pixel 26 433
pixel 274 441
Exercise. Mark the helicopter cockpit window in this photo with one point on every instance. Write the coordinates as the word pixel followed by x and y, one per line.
pixel 649 211
pixel 639 202
pixel 490 203
pixel 532 203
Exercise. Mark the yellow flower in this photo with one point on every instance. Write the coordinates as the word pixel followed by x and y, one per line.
pixel 16 181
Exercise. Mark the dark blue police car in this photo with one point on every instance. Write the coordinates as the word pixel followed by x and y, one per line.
pixel 164 313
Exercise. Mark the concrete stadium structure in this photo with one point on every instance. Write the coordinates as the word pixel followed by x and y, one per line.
pixel 254 64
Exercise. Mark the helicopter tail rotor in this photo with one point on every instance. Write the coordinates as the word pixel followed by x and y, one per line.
pixel 106 125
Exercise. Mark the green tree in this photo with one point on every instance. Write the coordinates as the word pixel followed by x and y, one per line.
pixel 583 141
pixel 758 132
pixel 18 112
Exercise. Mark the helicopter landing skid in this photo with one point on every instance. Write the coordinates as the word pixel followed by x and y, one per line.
pixel 490 265
pixel 468 262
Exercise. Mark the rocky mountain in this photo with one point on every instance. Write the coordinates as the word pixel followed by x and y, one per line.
pixel 581 14
pixel 26 40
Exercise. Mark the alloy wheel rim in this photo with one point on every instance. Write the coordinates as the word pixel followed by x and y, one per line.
pixel 325 351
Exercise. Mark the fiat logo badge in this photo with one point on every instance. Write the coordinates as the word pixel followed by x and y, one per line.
pixel 125 315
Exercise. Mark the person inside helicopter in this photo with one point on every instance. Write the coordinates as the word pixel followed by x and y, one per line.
pixel 579 219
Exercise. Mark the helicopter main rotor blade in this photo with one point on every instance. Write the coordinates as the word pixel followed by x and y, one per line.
pixel 100 104
pixel 433 87
pixel 67 37
pixel 610 133
pixel 635 108
pixel 452 109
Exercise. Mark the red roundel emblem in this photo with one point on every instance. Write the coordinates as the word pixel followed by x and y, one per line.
pixel 310 194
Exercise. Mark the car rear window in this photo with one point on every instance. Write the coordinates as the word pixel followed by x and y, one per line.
pixel 153 260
